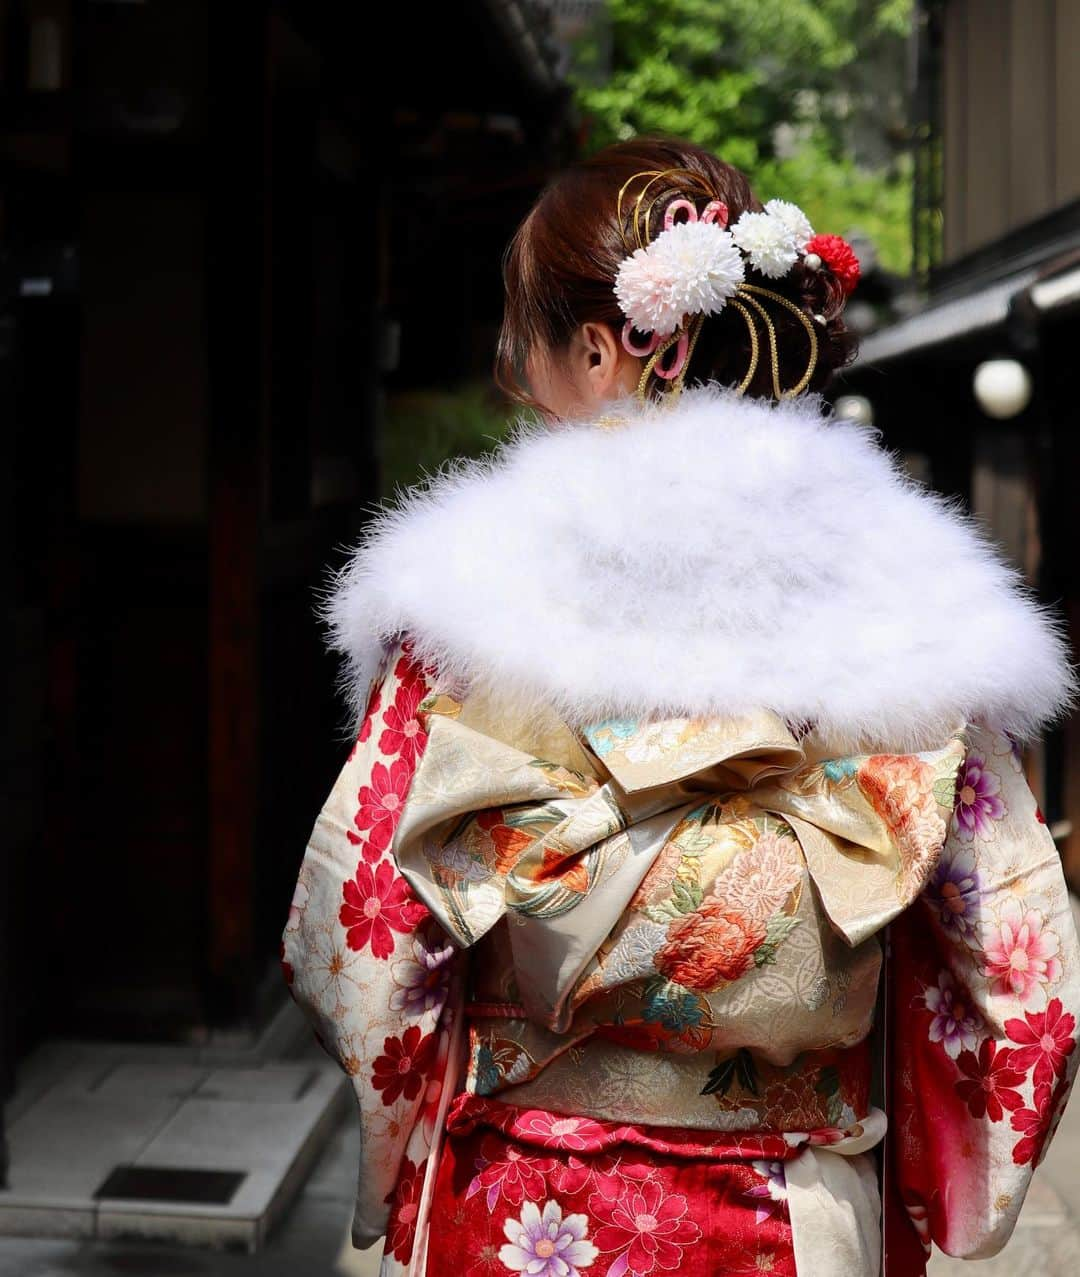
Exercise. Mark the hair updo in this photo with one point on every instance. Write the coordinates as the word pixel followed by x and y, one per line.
pixel 560 265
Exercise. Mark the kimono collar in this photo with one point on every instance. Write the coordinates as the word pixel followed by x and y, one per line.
pixel 717 555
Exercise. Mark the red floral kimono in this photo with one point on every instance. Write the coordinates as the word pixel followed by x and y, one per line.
pixel 646 998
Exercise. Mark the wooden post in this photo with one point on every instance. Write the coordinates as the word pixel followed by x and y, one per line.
pixel 236 337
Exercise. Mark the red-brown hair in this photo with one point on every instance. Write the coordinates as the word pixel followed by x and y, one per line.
pixel 560 265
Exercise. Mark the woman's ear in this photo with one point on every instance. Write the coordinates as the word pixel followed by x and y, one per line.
pixel 605 368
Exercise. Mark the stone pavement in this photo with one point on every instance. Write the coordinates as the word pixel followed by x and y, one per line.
pixel 311 1241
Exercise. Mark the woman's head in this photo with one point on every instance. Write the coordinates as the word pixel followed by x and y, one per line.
pixel 560 346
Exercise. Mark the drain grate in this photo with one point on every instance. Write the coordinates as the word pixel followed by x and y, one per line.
pixel 171 1184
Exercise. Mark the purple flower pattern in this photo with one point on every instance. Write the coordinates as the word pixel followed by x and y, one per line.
pixel 953 893
pixel 421 980
pixel 772 1193
pixel 978 800
pixel 546 1245
pixel 956 1023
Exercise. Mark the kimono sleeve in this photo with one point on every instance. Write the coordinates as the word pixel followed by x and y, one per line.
pixel 985 991
pixel 364 960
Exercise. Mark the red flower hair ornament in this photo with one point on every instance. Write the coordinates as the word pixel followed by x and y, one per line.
pixel 838 256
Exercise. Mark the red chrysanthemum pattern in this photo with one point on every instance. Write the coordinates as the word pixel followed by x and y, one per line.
pixel 988 1086
pixel 404 1201
pixel 378 902
pixel 404 1064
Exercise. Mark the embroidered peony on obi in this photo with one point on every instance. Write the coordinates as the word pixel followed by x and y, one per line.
pixel 672 921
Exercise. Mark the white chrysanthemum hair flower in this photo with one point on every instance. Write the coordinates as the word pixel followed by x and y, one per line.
pixel 793 218
pixel 690 268
pixel 768 241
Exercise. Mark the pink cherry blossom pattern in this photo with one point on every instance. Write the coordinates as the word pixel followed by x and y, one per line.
pixel 1021 956
pixel 378 902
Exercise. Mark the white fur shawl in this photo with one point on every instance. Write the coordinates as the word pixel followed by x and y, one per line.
pixel 711 555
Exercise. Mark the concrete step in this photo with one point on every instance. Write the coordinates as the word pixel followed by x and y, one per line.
pixel 169 1144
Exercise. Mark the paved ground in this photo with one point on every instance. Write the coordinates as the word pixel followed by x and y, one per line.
pixel 312 1241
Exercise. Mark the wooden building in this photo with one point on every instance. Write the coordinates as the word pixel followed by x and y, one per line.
pixel 997 238
pixel 224 230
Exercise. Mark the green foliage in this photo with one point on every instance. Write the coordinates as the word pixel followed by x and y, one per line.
pixel 422 428
pixel 806 96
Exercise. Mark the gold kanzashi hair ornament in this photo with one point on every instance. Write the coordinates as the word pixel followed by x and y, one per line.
pixel 696 266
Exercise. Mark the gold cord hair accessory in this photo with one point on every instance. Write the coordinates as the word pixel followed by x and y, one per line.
pixel 696 266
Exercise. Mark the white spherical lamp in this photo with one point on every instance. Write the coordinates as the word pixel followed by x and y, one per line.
pixel 856 409
pixel 1002 387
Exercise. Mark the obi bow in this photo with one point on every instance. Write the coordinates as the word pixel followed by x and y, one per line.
pixel 643 829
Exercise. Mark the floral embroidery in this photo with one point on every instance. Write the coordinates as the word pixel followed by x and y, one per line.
pixel 508 842
pixel 507 1172
pixel 649 1228
pixel 402 732
pixel 377 903
pixel 422 980
pixel 987 1087
pixel 1021 956
pixel 760 879
pixel 382 801
pixel 672 1007
pixel 978 799
pixel 653 741
pixel 773 1193
pixel 1044 1039
pixel 956 1023
pixel 900 789
pixel 560 1131
pixel 1033 1124
pixel 400 1071
pixel 709 947
pixel 405 1202
pixel 546 1245
pixel 954 892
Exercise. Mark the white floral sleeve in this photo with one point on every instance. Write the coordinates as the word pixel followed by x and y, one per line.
pixel 985 993
pixel 371 969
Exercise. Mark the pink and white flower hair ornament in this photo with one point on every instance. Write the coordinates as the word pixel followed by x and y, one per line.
pixel 696 266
